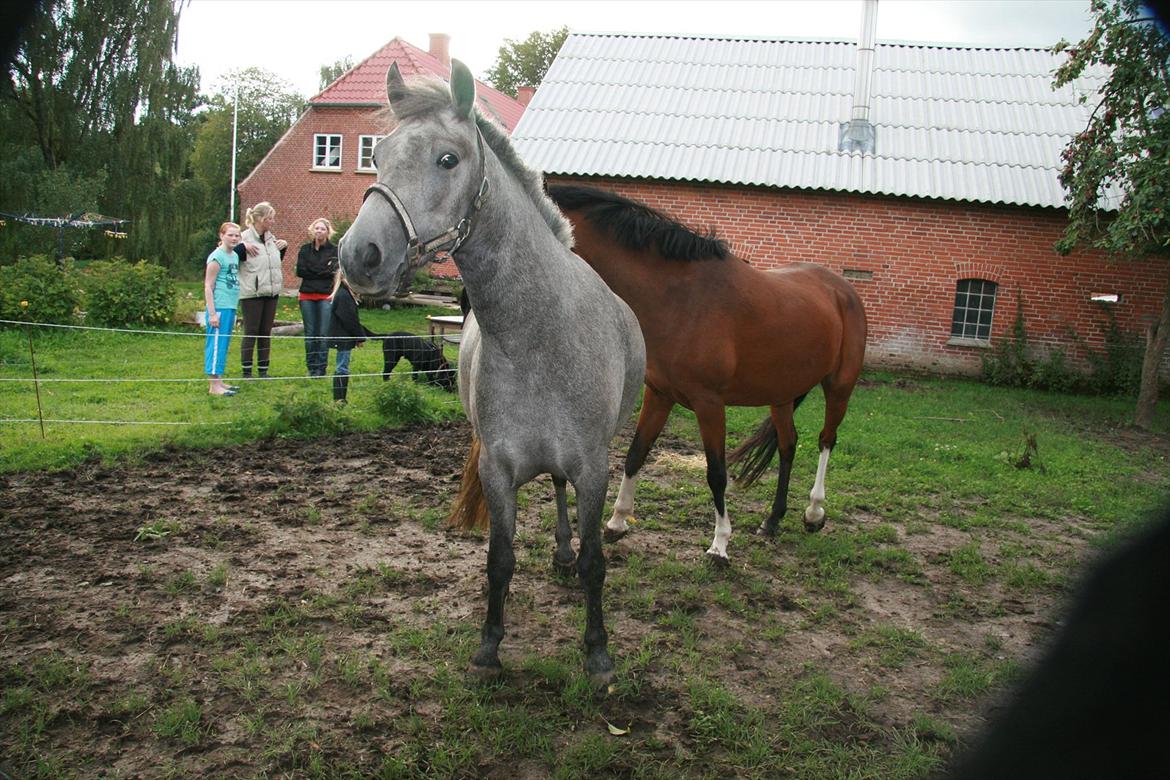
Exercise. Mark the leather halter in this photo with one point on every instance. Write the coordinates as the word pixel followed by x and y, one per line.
pixel 454 236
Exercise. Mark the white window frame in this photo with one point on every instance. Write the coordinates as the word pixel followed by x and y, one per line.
pixel 366 144
pixel 323 142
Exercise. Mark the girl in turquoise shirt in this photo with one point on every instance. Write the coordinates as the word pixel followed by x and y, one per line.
pixel 221 292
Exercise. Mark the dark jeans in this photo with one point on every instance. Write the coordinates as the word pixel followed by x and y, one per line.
pixel 259 314
pixel 315 315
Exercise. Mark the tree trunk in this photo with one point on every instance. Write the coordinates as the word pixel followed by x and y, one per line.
pixel 1156 338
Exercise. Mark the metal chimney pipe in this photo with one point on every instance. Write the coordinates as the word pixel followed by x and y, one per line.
pixel 864 75
pixel 858 134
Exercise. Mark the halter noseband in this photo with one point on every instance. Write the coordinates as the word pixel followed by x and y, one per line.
pixel 454 236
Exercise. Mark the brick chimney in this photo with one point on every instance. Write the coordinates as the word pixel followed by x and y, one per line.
pixel 441 48
pixel 524 95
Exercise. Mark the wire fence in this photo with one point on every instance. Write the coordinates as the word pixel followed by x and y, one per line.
pixel 37 381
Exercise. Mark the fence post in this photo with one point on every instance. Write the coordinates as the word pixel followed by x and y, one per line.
pixel 36 383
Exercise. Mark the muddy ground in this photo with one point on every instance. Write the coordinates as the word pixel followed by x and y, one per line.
pixel 82 583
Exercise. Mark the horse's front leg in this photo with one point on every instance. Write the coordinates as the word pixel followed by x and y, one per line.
pixel 501 562
pixel 591 571
pixel 563 559
pixel 651 421
pixel 713 430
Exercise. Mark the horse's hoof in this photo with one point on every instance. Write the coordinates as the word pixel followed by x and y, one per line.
pixel 600 671
pixel 766 530
pixel 610 535
pixel 485 671
pixel 485 664
pixel 816 522
pixel 566 569
pixel 717 560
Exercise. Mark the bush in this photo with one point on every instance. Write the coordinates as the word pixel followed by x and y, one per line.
pixel 1119 369
pixel 1010 365
pixel 308 418
pixel 38 289
pixel 117 293
pixel 402 401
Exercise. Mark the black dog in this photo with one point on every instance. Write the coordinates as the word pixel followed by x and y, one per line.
pixel 425 358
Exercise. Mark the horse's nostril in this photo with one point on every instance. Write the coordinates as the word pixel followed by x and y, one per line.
pixel 372 256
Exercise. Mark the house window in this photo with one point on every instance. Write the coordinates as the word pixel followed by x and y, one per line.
pixel 327 152
pixel 366 144
pixel 974 305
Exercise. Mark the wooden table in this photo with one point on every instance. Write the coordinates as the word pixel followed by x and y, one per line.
pixel 441 323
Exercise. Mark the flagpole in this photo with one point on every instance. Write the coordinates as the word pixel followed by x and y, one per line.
pixel 235 116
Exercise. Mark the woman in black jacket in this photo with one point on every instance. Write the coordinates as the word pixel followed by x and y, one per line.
pixel 346 333
pixel 318 268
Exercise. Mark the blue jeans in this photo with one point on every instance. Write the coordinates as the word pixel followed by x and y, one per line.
pixel 315 315
pixel 342 367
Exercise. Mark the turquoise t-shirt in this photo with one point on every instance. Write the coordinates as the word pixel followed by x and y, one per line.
pixel 226 292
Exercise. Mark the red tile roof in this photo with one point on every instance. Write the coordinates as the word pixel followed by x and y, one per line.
pixel 365 83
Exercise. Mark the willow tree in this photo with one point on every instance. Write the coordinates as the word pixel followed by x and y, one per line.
pixel 1116 171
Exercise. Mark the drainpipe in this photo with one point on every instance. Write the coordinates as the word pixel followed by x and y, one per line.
pixel 859 134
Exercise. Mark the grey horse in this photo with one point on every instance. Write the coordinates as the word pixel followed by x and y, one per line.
pixel 551 361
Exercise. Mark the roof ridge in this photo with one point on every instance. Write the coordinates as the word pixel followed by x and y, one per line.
pixel 799 39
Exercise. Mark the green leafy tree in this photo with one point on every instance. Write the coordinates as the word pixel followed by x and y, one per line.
pixel 331 73
pixel 95 116
pixel 1120 158
pixel 84 68
pixel 268 105
pixel 524 63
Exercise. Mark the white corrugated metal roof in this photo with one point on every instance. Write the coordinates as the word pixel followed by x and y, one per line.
pixel 976 124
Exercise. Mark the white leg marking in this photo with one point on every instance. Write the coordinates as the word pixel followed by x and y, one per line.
pixel 815 513
pixel 623 508
pixel 722 534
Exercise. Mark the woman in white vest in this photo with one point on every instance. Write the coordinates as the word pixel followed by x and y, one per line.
pixel 261 279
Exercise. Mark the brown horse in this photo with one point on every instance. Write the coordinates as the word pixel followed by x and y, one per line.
pixel 720 333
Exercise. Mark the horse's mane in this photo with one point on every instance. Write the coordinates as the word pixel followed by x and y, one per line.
pixel 637 226
pixel 427 95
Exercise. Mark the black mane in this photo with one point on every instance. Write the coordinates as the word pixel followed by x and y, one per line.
pixel 636 226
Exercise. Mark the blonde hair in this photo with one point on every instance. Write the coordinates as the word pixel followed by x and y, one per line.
pixel 224 227
pixel 259 211
pixel 328 227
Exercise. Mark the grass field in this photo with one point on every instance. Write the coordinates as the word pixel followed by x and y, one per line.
pixel 156 379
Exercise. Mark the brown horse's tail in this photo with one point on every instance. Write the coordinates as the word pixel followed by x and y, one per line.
pixel 470 510
pixel 756 452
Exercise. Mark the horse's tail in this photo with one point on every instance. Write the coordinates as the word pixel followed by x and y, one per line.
pixel 470 510
pixel 756 452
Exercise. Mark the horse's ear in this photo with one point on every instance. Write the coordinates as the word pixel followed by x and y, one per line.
pixel 462 89
pixel 395 86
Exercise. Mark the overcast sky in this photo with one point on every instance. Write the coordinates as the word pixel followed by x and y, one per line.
pixel 294 38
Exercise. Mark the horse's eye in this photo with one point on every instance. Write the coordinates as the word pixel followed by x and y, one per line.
pixel 448 161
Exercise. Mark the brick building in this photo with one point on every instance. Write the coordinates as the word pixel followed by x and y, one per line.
pixel 322 165
pixel 927 175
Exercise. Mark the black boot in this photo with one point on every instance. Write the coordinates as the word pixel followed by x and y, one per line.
pixel 340 387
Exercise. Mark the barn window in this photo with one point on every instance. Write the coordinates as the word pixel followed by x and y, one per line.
pixel 366 144
pixel 327 151
pixel 974 305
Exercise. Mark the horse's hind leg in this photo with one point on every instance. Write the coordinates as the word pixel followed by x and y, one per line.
pixel 500 565
pixel 651 420
pixel 591 571
pixel 563 558
pixel 836 401
pixel 786 446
